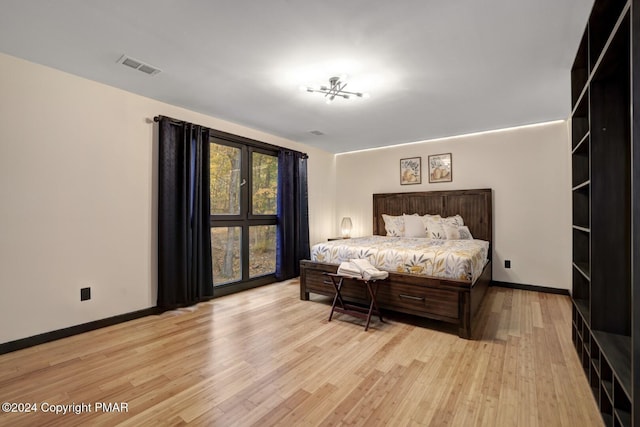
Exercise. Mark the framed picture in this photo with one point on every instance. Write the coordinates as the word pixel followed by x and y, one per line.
pixel 411 171
pixel 440 168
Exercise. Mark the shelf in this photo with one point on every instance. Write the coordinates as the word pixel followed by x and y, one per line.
pixel 624 417
pixel 581 186
pixel 606 409
pixel 583 308
pixel 583 267
pixel 585 229
pixel 580 166
pixel 580 71
pixel 617 350
pixel 581 145
pixel 608 388
pixel 580 121
pixel 604 23
pixel 621 405
pixel 581 294
pixel 580 203
pixel 581 258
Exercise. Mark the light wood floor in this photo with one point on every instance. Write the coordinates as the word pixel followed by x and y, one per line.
pixel 263 357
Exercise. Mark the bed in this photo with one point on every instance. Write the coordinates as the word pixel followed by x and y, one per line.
pixel 415 290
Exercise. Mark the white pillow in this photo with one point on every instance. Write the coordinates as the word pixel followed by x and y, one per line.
pixel 394 225
pixel 427 217
pixel 414 226
pixel 453 220
pixel 435 229
pixel 454 232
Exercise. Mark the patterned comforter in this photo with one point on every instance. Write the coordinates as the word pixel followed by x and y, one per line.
pixel 451 259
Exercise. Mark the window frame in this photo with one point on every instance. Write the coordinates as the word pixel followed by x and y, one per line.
pixel 245 219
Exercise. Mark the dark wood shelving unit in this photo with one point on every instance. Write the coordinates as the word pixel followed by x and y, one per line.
pixel 605 158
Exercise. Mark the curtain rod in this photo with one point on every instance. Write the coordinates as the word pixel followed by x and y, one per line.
pixel 222 134
pixel 171 119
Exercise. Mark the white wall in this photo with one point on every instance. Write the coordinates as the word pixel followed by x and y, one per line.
pixel 529 171
pixel 78 197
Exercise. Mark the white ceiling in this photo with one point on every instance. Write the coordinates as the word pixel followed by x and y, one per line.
pixel 433 68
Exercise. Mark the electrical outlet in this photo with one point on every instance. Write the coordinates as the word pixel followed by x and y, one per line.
pixel 507 263
pixel 85 294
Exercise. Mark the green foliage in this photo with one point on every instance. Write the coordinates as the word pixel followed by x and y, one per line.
pixel 265 184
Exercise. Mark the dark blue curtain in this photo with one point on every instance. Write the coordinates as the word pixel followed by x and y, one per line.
pixel 184 236
pixel 293 214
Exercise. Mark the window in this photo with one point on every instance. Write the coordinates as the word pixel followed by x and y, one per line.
pixel 264 180
pixel 262 250
pixel 244 197
pixel 225 179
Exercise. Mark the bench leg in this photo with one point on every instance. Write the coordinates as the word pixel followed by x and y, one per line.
pixel 337 297
pixel 372 295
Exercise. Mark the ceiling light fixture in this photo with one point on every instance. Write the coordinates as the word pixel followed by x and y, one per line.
pixel 335 88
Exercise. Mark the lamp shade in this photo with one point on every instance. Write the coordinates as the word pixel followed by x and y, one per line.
pixel 345 226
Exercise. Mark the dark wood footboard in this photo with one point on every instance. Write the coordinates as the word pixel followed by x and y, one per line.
pixel 451 301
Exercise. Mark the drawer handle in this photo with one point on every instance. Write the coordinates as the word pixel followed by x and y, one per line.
pixel 327 282
pixel 411 297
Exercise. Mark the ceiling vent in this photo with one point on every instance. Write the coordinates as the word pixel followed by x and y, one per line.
pixel 138 65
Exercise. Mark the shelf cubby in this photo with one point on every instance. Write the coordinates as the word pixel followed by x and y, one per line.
pixel 606 410
pixel 602 21
pixel 580 163
pixel 594 381
pixel 579 325
pixel 607 378
pixel 581 202
pixel 580 70
pixel 594 351
pixel 580 121
pixel 582 306
pixel 581 250
pixel 621 405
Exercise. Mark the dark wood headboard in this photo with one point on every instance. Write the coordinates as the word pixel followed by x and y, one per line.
pixel 475 207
